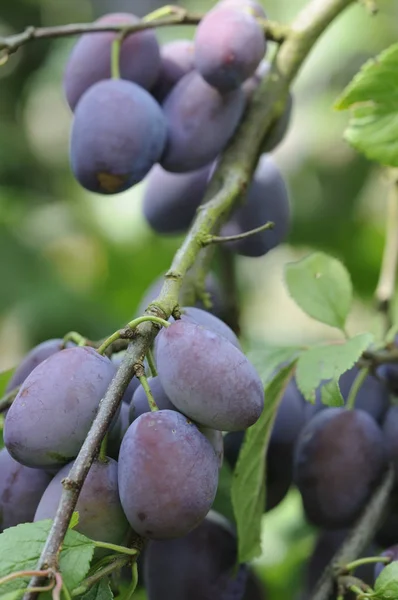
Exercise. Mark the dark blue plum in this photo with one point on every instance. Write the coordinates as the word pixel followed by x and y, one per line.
pixel 101 515
pixel 177 59
pixel 229 46
pixel 20 491
pixel 199 566
pixel 200 122
pixel 266 200
pixel 172 199
pixel 168 475
pixel 118 134
pixel 208 378
pixel 55 407
pixel 336 448
pixel 90 59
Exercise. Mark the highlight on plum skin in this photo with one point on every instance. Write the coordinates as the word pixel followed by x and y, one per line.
pixel 327 463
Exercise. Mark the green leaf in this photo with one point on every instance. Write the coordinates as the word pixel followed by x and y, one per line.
pixel 74 520
pixel 386 586
pixel 222 503
pixel 322 363
pixel 15 595
pixel 21 546
pixel 331 395
pixel 372 97
pixel 267 359
pixel 321 286
pixel 248 486
pixel 99 591
pixel 5 377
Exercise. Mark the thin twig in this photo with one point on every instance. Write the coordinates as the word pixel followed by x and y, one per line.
pixel 8 399
pixel 232 175
pixel 359 538
pixel 26 573
pixel 222 239
pixel 386 285
pixel 275 32
pixel 88 583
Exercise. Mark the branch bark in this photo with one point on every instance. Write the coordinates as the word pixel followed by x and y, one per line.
pixel 359 538
pixel 230 180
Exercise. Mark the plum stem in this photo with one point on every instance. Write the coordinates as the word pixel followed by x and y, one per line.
pixel 88 583
pixel 368 560
pixel 222 239
pixel 77 338
pixel 151 400
pixel 103 449
pixel 117 548
pixel 129 330
pixel 151 362
pixel 355 387
pixel 115 55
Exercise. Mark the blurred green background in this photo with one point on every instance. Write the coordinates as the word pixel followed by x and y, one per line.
pixel 72 260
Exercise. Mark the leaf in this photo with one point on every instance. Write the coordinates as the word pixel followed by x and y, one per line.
pixel 99 591
pixel 21 546
pixel 74 522
pixel 321 286
pixel 5 377
pixel 386 586
pixel 222 503
pixel 15 595
pixel 267 359
pixel 248 486
pixel 372 97
pixel 331 395
pixel 322 363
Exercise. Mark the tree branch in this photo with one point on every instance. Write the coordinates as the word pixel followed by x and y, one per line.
pixel 359 538
pixel 275 32
pixel 231 178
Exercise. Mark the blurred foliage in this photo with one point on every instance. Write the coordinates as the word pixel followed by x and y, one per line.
pixel 70 260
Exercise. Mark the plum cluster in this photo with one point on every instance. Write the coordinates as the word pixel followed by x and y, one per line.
pixel 336 458
pixel 168 113
pixel 159 473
